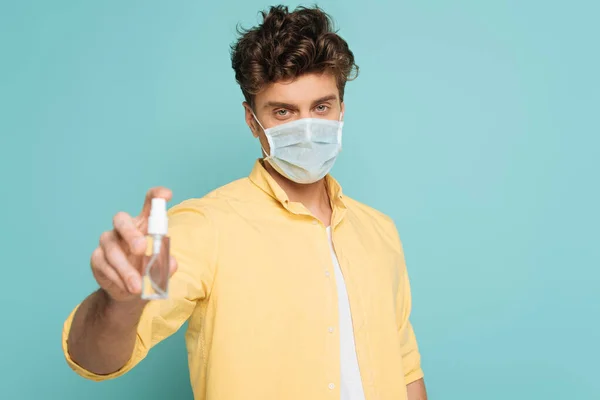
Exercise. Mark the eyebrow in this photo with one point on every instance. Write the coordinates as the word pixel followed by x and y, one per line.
pixel 324 99
pixel 278 104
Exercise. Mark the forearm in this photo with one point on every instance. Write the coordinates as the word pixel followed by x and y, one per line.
pixel 416 390
pixel 103 333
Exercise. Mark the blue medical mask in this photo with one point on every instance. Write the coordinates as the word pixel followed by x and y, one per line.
pixel 304 150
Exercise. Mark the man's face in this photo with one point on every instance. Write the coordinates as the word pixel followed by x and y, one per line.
pixel 309 96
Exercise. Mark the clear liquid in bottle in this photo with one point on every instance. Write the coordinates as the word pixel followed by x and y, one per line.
pixel 155 278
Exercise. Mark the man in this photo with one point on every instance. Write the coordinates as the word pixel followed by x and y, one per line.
pixel 291 289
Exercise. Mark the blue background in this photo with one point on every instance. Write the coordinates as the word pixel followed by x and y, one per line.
pixel 473 124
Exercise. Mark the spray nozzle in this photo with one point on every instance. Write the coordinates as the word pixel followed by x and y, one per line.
pixel 158 222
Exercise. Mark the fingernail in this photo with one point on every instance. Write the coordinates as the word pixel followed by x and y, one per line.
pixel 133 284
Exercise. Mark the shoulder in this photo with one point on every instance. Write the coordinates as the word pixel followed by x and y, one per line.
pixel 217 201
pixel 367 214
pixel 372 222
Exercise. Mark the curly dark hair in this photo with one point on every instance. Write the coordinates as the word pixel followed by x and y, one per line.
pixel 287 45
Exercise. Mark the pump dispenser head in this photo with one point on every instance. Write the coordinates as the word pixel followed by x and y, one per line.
pixel 158 222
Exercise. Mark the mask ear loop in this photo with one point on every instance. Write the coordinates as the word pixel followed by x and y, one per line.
pixel 267 136
pixel 339 132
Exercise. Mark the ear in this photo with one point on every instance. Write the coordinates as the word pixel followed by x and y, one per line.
pixel 250 121
pixel 343 110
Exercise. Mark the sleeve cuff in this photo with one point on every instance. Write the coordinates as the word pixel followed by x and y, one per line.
pixel 414 375
pixel 138 354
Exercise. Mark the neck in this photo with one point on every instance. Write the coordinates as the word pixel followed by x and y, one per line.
pixel 313 196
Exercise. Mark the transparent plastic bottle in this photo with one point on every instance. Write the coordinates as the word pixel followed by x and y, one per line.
pixel 155 277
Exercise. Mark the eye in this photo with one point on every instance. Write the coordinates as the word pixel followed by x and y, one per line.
pixel 322 108
pixel 282 112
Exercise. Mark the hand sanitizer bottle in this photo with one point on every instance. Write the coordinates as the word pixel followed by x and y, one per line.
pixel 155 278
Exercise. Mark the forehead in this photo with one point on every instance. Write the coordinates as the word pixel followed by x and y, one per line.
pixel 301 91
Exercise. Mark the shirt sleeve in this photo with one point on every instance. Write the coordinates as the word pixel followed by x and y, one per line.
pixel 411 358
pixel 193 241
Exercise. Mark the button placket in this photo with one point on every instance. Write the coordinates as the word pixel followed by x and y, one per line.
pixel 330 329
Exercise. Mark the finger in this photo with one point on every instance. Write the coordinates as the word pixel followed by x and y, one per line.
pixel 127 230
pixel 118 260
pixel 156 192
pixel 172 265
pixel 105 275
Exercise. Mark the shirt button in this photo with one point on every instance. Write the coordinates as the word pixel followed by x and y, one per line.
pixel 330 329
pixel 327 273
pixel 331 386
pixel 315 222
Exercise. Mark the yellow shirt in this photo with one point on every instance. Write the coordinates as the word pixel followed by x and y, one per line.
pixel 255 281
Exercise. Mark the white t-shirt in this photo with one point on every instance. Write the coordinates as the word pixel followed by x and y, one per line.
pixel 351 384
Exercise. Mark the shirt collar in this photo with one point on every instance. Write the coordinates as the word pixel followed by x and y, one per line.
pixel 264 181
